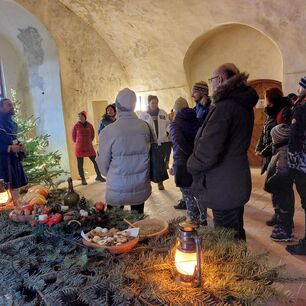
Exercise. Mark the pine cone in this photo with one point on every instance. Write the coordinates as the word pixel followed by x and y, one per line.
pixel 83 204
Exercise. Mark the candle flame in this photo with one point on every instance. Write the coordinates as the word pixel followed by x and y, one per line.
pixel 185 262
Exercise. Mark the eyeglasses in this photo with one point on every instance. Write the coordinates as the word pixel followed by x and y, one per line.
pixel 210 80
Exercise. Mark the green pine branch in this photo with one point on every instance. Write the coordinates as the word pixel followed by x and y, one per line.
pixel 40 165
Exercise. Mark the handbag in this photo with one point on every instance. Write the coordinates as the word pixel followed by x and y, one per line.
pixel 158 170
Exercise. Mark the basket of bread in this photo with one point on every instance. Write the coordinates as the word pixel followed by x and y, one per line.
pixel 113 240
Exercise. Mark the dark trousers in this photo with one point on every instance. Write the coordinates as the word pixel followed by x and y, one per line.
pixel 284 201
pixel 299 178
pixel 167 150
pixel 232 218
pixel 81 163
pixel 138 208
pixel 163 150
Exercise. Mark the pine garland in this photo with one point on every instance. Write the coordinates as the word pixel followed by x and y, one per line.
pixel 52 267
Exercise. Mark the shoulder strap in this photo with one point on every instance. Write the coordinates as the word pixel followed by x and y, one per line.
pixel 152 138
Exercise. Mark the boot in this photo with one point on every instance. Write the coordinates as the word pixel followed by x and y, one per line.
pixel 273 220
pixel 180 205
pixel 300 248
pixel 161 186
pixel 100 179
pixel 84 181
pixel 297 249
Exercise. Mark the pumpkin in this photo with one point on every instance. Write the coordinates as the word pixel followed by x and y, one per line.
pixel 42 190
pixel 31 195
pixel 38 201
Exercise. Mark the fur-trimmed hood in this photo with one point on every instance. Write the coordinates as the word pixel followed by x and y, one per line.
pixel 236 88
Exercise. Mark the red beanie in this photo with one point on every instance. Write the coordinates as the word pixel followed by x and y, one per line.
pixel 83 113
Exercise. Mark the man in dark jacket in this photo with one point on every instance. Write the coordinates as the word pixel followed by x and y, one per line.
pixel 11 150
pixel 219 163
pixel 297 157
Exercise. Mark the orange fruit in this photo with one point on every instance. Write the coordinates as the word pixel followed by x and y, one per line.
pixel 38 201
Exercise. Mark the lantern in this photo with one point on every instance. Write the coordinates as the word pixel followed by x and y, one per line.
pixel 188 255
pixel 5 194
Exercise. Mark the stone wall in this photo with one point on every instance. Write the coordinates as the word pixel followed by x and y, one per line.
pixel 88 68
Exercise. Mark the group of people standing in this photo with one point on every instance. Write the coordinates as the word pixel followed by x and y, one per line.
pixel 282 145
pixel 210 144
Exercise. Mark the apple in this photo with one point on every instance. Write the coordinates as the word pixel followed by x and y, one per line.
pixel 100 206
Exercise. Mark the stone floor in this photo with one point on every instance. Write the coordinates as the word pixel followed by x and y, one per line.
pixel 257 211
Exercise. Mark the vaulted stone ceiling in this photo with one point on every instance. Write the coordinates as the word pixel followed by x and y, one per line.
pixel 151 38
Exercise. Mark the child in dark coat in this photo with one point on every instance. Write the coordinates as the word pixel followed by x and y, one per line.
pixel 279 183
pixel 183 130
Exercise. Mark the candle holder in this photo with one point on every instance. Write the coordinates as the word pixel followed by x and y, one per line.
pixel 188 255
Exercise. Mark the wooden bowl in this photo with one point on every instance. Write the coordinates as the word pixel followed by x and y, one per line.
pixel 116 249
pixel 147 223
pixel 21 218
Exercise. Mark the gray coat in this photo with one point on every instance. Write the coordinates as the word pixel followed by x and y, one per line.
pixel 124 159
pixel 219 163
pixel 278 177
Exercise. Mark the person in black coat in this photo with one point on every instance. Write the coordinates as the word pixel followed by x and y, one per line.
pixel 297 157
pixel 275 104
pixel 219 164
pixel 183 130
pixel 11 150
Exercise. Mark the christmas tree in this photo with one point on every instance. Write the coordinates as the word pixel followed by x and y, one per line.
pixel 40 165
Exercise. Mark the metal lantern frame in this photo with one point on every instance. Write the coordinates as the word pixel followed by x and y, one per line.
pixel 6 191
pixel 188 242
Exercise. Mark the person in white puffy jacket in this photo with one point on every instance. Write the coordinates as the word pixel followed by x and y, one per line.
pixel 159 121
pixel 123 156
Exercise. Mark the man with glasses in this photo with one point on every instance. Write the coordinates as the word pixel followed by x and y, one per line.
pixel 219 163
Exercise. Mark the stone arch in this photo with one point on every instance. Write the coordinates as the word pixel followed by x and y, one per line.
pixel 31 54
pixel 250 49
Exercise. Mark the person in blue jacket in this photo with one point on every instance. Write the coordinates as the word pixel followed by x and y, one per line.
pixel 11 150
pixel 201 99
pixel 108 118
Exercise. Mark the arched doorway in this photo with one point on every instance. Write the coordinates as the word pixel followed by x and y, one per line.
pixel 251 51
pixel 30 65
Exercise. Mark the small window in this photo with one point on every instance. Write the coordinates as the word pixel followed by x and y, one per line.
pixel 141 104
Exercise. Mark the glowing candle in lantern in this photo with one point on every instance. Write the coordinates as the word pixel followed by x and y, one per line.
pixel 5 195
pixel 187 255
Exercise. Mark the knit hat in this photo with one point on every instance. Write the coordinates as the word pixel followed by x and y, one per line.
pixel 179 104
pixel 280 133
pixel 126 100
pixel 302 82
pixel 84 113
pixel 201 87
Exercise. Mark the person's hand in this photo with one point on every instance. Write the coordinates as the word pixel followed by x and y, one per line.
pixel 258 153
pixel 16 148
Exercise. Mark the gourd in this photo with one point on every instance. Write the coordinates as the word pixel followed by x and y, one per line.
pixel 42 190
pixel 28 197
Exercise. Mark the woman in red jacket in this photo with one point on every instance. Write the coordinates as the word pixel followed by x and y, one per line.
pixel 83 134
